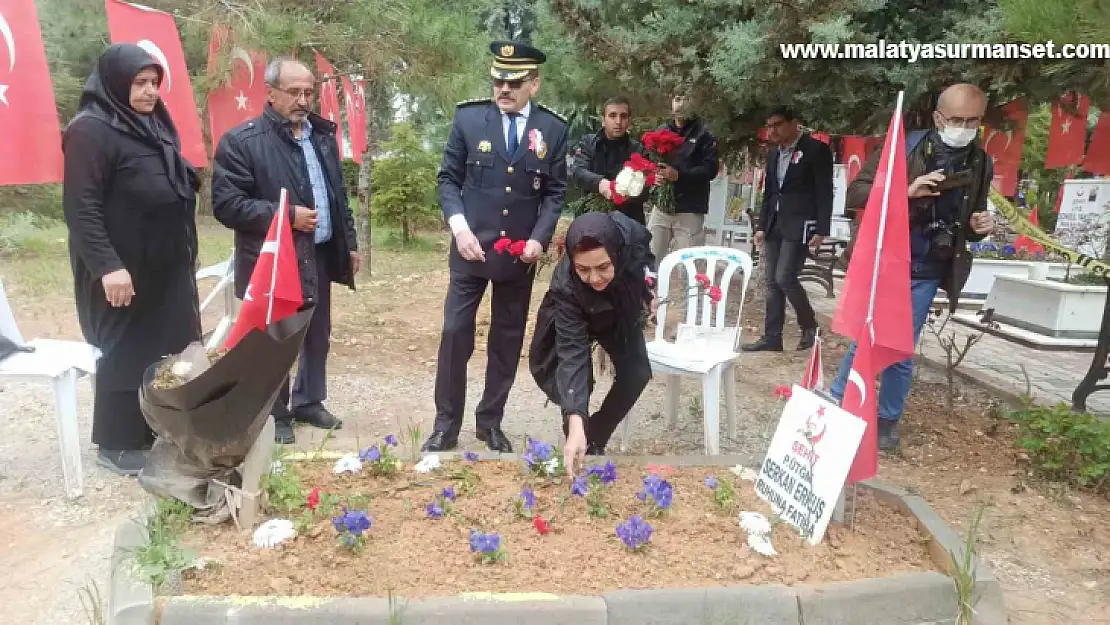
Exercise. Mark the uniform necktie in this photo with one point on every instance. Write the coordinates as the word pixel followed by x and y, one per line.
pixel 513 143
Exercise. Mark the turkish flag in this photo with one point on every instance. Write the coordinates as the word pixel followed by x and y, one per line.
pixel 243 96
pixel 1025 243
pixel 875 307
pixel 1098 154
pixel 871 144
pixel 823 137
pixel 274 291
pixel 28 117
pixel 1004 147
pixel 814 377
pixel 1067 135
pixel 329 97
pixel 853 154
pixel 156 32
pixel 354 99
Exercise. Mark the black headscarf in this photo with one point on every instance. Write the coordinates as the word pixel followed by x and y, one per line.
pixel 107 96
pixel 627 290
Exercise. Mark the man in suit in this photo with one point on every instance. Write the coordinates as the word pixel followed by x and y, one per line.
pixel 503 176
pixel 291 147
pixel 599 157
pixel 797 211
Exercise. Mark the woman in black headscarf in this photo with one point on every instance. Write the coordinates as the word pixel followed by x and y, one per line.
pixel 130 204
pixel 599 294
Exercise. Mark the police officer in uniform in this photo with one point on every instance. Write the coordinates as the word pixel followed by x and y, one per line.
pixel 503 176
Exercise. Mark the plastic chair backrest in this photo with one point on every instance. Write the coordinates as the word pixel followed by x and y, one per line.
pixel 8 328
pixel 699 309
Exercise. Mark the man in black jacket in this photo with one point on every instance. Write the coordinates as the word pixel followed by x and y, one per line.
pixel 691 167
pixel 291 147
pixel 797 211
pixel 599 157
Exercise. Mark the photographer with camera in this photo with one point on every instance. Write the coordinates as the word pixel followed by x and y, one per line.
pixel 951 177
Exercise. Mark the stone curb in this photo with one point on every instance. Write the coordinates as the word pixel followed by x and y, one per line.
pixel 907 599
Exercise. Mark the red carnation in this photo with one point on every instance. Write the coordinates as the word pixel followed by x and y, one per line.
pixel 541 526
pixel 662 141
pixel 703 280
pixel 714 294
pixel 649 180
pixel 516 248
pixel 617 198
pixel 650 281
pixel 501 245
pixel 783 391
pixel 637 162
pixel 313 499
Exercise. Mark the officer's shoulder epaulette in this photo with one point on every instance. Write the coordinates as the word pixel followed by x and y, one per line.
pixel 557 115
pixel 466 103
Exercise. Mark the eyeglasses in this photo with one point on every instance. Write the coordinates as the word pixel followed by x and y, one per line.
pixel 511 84
pixel 296 94
pixel 963 122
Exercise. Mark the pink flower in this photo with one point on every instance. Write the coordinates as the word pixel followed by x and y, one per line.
pixel 703 280
pixel 714 294
pixel 783 391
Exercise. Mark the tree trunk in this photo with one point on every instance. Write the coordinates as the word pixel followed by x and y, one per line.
pixel 405 234
pixel 363 224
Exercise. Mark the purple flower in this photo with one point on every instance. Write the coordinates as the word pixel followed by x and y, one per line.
pixel 449 493
pixel 352 522
pixel 579 487
pixel 1009 250
pixel 659 490
pixel 711 482
pixel 635 532
pixel 470 456
pixel 370 454
pixel 529 498
pixel 537 453
pixel 606 474
pixel 391 440
pixel 484 543
pixel 434 510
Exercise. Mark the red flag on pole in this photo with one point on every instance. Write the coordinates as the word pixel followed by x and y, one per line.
pixel 1004 147
pixel 854 153
pixel 874 307
pixel 814 378
pixel 156 32
pixel 329 97
pixel 1067 135
pixel 28 117
pixel 1097 160
pixel 244 95
pixel 354 100
pixel 274 291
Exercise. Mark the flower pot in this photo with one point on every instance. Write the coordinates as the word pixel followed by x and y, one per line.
pixel 1038 271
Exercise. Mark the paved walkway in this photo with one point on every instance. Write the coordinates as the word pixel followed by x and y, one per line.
pixel 996 363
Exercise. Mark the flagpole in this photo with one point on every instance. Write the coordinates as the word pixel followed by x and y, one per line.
pixel 282 209
pixel 897 132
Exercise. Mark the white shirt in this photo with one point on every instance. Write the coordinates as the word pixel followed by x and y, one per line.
pixel 458 222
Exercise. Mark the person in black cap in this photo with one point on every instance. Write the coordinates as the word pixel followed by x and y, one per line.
pixel 502 180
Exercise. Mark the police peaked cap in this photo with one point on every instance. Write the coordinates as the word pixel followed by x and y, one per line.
pixel 513 60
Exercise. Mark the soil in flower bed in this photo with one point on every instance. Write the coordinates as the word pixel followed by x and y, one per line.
pixel 694 544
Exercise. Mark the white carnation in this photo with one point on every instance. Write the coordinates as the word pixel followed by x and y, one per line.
pixel 636 187
pixel 428 464
pixel 273 532
pixel 623 182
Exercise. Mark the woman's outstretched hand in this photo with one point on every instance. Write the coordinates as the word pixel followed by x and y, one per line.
pixel 574 454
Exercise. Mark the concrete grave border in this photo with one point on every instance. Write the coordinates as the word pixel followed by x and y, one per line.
pixel 906 599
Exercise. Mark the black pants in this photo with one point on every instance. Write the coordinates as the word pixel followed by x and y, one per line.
pixel 118 422
pixel 310 388
pixel 632 372
pixel 782 264
pixel 503 345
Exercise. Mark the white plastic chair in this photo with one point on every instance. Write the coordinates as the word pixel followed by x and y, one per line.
pixel 225 272
pixel 704 346
pixel 61 363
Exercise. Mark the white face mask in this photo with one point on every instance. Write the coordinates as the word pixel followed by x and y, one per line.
pixel 957 137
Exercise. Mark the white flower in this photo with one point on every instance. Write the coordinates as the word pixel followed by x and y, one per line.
pixel 636 187
pixel 551 466
pixel 744 473
pixel 273 532
pixel 181 367
pixel 347 464
pixel 754 523
pixel 428 464
pixel 623 181
pixel 761 544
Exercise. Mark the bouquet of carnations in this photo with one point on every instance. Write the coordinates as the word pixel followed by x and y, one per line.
pixel 659 145
pixel 638 173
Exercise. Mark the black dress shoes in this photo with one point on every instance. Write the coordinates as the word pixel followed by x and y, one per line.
pixel 765 344
pixel 809 337
pixel 318 417
pixel 593 449
pixel 283 432
pixel 495 439
pixel 440 441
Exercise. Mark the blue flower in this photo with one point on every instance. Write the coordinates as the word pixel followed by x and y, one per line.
pixel 1009 250
pixel 635 532
pixel 529 498
pixel 470 456
pixel 975 247
pixel 351 521
pixel 391 440
pixel 579 487
pixel 449 493
pixel 659 490
pixel 537 453
pixel 606 474
pixel 434 510
pixel 484 543
pixel 370 454
pixel 711 482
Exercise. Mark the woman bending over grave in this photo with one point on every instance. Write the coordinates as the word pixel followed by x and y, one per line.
pixel 130 204
pixel 599 294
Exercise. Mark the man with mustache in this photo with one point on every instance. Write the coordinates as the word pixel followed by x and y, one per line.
pixel 291 147
pixel 503 178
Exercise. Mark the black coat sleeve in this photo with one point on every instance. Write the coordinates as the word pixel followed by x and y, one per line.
pixel 705 168
pixel 581 165
pixel 89 163
pixel 769 178
pixel 232 187
pixel 572 344
pixel 823 186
